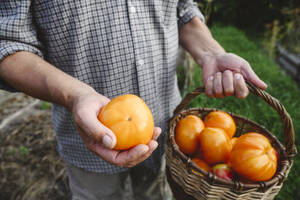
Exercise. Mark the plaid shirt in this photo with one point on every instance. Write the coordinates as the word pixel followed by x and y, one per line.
pixel 117 47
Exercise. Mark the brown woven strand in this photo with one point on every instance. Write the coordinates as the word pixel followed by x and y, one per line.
pixel 288 128
pixel 189 182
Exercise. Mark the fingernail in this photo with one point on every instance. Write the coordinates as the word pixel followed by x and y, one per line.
pixel 237 76
pixel 154 145
pixel 211 78
pixel 145 149
pixel 106 141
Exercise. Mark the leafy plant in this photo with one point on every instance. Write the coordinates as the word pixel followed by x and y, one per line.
pixel 24 151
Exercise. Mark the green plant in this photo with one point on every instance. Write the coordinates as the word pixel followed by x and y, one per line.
pixel 24 151
pixel 45 105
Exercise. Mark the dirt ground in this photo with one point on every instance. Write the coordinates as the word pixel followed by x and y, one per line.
pixel 30 168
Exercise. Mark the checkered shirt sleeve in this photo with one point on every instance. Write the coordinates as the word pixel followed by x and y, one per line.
pixel 17 31
pixel 187 9
pixel 116 47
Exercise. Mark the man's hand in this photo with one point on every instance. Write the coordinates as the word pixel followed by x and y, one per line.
pixel 100 139
pixel 224 74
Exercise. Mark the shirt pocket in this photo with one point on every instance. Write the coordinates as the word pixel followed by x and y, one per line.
pixel 169 12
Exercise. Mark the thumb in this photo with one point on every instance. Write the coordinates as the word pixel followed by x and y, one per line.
pixel 251 76
pixel 95 130
pixel 107 138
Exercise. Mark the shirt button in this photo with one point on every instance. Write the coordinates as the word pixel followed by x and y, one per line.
pixel 140 62
pixel 132 9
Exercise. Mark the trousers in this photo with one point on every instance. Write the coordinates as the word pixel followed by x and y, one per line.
pixel 138 183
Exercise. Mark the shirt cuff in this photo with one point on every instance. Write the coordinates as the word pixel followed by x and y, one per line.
pixel 187 13
pixel 8 48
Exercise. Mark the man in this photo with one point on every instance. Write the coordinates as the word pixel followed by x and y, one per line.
pixel 79 54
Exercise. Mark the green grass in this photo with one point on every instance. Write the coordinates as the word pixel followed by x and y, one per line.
pixel 280 86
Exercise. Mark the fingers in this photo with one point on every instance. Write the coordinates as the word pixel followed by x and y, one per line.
pixel 209 87
pixel 137 157
pixel 226 84
pixel 156 133
pixel 240 87
pixel 218 86
pixel 128 158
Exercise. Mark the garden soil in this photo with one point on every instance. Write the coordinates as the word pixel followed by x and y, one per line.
pixel 30 168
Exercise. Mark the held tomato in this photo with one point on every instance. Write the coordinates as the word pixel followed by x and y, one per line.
pixel 187 132
pixel 202 164
pixel 220 119
pixel 253 157
pixel 130 119
pixel 215 144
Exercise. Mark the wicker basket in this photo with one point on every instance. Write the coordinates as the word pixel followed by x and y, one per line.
pixel 189 182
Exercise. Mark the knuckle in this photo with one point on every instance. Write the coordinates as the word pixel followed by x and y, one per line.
pixel 77 119
pixel 78 115
pixel 218 74
pixel 227 72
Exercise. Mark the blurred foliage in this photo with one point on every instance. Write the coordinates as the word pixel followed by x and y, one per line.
pixel 287 33
pixel 278 20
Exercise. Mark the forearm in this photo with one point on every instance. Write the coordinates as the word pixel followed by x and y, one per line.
pixel 32 75
pixel 196 38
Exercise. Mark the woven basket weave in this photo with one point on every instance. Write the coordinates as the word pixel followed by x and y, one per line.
pixel 189 182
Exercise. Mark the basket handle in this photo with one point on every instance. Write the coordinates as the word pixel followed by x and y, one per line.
pixel 288 127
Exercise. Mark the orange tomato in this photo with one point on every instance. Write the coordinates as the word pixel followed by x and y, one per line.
pixel 187 132
pixel 130 119
pixel 253 157
pixel 215 144
pixel 202 164
pixel 220 119
pixel 233 141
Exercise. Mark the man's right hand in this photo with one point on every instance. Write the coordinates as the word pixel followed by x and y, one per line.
pixel 100 139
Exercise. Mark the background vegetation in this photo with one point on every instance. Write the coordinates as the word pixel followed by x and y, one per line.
pixel 278 20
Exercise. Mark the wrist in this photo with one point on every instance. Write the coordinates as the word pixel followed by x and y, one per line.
pixel 196 38
pixel 77 93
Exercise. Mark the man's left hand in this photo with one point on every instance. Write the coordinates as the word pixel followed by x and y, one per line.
pixel 224 74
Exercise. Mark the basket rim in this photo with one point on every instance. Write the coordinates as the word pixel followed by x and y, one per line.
pixel 279 177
